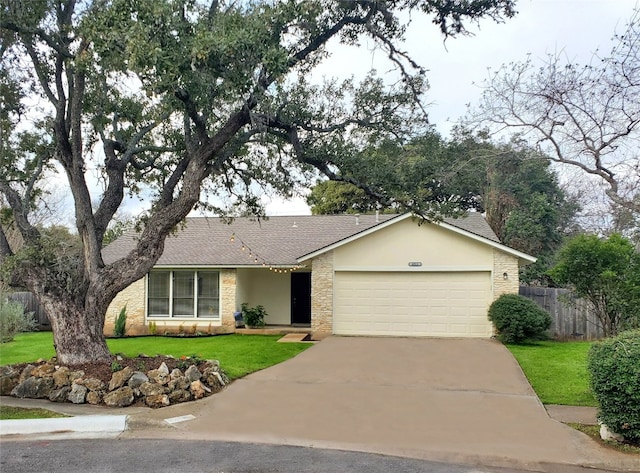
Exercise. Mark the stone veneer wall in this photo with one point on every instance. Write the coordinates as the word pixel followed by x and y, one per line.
pixel 228 289
pixel 134 297
pixel 504 263
pixel 322 294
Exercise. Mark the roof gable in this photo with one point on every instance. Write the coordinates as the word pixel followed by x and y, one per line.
pixel 473 225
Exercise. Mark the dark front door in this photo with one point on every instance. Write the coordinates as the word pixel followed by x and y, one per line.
pixel 300 298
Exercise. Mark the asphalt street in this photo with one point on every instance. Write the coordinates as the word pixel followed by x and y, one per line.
pixel 170 456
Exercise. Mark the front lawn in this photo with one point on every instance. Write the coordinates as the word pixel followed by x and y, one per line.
pixel 13 413
pixel 557 371
pixel 239 355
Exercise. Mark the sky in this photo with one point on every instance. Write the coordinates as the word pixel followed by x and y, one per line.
pixel 457 67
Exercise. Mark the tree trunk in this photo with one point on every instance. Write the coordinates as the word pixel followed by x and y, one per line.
pixel 77 331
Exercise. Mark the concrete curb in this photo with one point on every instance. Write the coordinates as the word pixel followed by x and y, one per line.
pixel 92 424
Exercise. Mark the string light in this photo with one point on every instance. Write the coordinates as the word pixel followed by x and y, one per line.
pixel 259 260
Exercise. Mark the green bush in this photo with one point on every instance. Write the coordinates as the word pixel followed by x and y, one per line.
pixel 517 318
pixel 121 323
pixel 13 319
pixel 253 316
pixel 614 366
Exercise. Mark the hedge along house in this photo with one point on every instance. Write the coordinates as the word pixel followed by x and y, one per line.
pixel 340 274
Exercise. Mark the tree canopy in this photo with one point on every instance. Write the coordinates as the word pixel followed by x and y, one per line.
pixel 184 99
pixel 514 185
pixel 606 273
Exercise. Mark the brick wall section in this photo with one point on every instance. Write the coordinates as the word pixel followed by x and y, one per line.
pixel 504 263
pixel 322 294
pixel 134 297
pixel 228 283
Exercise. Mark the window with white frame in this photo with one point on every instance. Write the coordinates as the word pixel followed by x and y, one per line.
pixel 183 294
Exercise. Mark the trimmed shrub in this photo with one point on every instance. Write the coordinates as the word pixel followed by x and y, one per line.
pixel 614 366
pixel 120 325
pixel 253 316
pixel 517 318
pixel 14 320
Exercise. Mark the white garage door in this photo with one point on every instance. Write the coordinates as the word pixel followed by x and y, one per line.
pixel 412 304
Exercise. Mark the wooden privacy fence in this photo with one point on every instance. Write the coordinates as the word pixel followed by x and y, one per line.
pixel 571 318
pixel 31 304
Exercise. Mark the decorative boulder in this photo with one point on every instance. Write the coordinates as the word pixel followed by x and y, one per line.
pixel 44 370
pixel 60 394
pixel 192 373
pixel 26 373
pixel 607 434
pixel 94 398
pixel 119 378
pixel 179 395
pixel 157 400
pixel 34 388
pixel 61 377
pixel 198 389
pixel 176 373
pixel 121 397
pixel 179 383
pixel 9 379
pixel 137 379
pixel 92 384
pixel 78 394
pixel 159 376
pixel 151 389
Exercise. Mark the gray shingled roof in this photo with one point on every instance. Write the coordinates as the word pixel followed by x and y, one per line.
pixel 276 240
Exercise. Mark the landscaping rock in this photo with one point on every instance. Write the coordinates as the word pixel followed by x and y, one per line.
pixel 119 378
pixel 608 434
pixel 34 388
pixel 43 370
pixel 26 373
pixel 61 377
pixel 198 389
pixel 179 383
pixel 121 397
pixel 9 379
pixel 180 395
pixel 157 400
pixel 92 384
pixel 157 388
pixel 151 389
pixel 78 394
pixel 159 376
pixel 137 379
pixel 192 373
pixel 94 398
pixel 60 395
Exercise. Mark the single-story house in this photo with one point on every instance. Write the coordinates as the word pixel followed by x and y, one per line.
pixel 340 274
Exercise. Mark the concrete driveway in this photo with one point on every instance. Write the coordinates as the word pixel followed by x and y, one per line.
pixel 450 400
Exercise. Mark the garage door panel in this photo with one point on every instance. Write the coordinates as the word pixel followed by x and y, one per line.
pixel 412 304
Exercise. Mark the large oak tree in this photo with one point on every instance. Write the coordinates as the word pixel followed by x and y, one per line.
pixel 183 99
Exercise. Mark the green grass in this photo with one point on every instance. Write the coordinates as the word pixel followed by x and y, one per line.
pixel 239 355
pixel 557 371
pixel 10 413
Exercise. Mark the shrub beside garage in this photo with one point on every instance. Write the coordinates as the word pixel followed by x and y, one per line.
pixel 517 319
pixel 614 366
